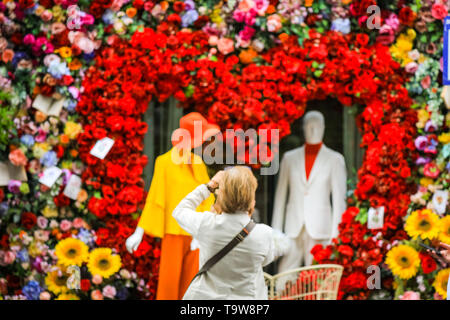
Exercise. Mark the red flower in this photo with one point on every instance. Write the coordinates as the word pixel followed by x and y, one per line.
pixel 427 262
pixel 407 16
pixel 178 6
pixel 28 220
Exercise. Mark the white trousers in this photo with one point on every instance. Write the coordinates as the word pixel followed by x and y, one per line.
pixel 300 253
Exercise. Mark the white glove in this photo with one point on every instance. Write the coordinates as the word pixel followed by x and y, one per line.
pixel 194 244
pixel 134 240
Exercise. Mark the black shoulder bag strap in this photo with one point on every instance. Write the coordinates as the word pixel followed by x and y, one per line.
pixel 222 253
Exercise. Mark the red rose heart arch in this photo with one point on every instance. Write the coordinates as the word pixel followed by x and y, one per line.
pixel 269 93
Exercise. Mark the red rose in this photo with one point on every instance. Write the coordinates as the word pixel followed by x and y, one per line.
pixel 427 262
pixel 85 285
pixel 67 80
pixel 46 3
pixel 138 4
pixel 174 18
pixel 61 200
pixel 362 39
pixel 28 220
pixel 97 207
pixel 345 250
pixel 366 183
pixel 26 4
pixel 407 16
pixel 178 6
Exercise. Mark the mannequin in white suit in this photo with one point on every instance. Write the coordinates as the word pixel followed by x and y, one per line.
pixel 302 208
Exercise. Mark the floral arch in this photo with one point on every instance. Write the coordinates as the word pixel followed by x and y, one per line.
pixel 271 93
pixel 243 64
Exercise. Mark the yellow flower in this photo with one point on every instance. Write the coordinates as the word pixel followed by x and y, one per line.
pixel 67 296
pixel 426 182
pixel 49 212
pixel 72 129
pixel 57 13
pixel 444 228
pixel 39 149
pixel 403 261
pixel 444 138
pixel 215 17
pixel 441 281
pixel 39 10
pixel 102 262
pixel 422 223
pixel 64 52
pixel 71 251
pixel 55 283
pixel 66 164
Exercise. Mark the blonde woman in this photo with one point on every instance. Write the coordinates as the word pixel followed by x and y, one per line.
pixel 239 273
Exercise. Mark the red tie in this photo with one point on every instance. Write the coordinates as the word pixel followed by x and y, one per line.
pixel 311 151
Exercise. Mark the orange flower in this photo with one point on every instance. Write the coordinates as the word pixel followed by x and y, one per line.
pixel 7 55
pixel 164 5
pixel 131 12
pixel 270 9
pixel 345 2
pixel 64 52
pixel 64 139
pixel 246 56
pixel 73 153
pixel 75 64
pixel 283 37
pixel 308 3
pixel 82 196
pixel 39 116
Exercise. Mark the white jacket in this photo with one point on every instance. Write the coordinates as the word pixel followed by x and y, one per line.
pixel 309 200
pixel 239 274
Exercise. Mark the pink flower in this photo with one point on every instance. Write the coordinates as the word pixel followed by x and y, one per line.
pixel 42 222
pixel 29 39
pixel 393 21
pixel 96 295
pixel 410 295
pixel 273 23
pixel 439 11
pixel 42 135
pixel 411 67
pixel 9 257
pixel 247 33
pixel 78 223
pixel 431 170
pixel 46 15
pixel 225 45
pixel 87 19
pixel 386 36
pixel 65 225
pixel 57 27
pixel 109 292
pixel 239 16
pixel 261 6
pixel 18 158
pixel 426 82
pixel 97 279
pixel 44 296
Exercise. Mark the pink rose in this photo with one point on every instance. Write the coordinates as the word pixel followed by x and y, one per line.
pixel 96 295
pixel 18 158
pixel 261 6
pixel 386 36
pixel 65 225
pixel 411 67
pixel 431 170
pixel 247 33
pixel 44 296
pixel 97 279
pixel 109 292
pixel 42 222
pixel 438 11
pixel 46 15
pixel 78 223
pixel 213 40
pixel 225 45
pixel 410 295
pixel 57 27
pixel 426 82
pixel 239 16
pixel 29 39
pixel 393 21
pixel 274 23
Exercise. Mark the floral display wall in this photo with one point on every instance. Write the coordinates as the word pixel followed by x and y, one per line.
pixel 76 72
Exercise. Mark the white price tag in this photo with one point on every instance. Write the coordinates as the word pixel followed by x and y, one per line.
pixel 440 200
pixel 102 147
pixel 73 187
pixel 50 176
pixel 375 219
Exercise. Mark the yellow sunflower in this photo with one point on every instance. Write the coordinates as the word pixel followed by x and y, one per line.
pixel 403 261
pixel 423 223
pixel 71 251
pixel 56 284
pixel 103 262
pixel 67 296
pixel 444 228
pixel 441 281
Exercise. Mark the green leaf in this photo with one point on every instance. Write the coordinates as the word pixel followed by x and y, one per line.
pixel 318 73
pixel 362 216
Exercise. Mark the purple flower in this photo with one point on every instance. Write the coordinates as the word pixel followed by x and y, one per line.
pixel 189 5
pixel 430 126
pixel 421 143
pixel 49 159
pixel 37 264
pixel 27 140
pixel 66 176
pixel 14 186
pixel 32 290
pixel 189 18
pixel 341 25
pixel 422 161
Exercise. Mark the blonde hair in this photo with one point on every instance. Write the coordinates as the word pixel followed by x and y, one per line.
pixel 237 190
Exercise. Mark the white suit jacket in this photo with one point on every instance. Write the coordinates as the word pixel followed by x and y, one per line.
pixel 308 202
pixel 239 274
